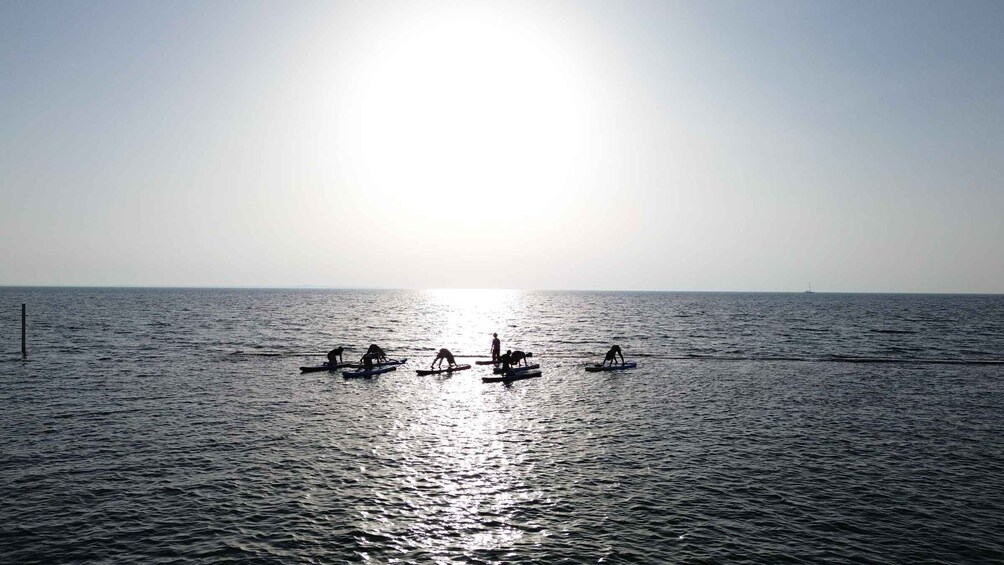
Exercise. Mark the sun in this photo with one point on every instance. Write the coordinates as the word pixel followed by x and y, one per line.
pixel 461 109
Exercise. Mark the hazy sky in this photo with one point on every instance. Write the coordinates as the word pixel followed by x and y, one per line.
pixel 592 145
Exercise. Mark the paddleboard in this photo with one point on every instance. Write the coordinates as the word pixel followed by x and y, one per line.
pixel 438 371
pixel 486 362
pixel 361 374
pixel 380 363
pixel 597 368
pixel 509 378
pixel 499 370
pixel 325 367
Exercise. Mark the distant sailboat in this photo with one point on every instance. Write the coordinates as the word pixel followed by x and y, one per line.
pixel 810 289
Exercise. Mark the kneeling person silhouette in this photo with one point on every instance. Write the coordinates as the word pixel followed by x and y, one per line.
pixel 516 356
pixel 335 356
pixel 368 361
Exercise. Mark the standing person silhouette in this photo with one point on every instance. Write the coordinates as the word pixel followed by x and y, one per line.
pixel 496 348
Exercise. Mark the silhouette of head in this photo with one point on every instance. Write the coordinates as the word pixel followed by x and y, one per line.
pixel 495 335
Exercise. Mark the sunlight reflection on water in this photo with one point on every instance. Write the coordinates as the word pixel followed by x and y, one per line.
pixel 463 320
pixel 456 470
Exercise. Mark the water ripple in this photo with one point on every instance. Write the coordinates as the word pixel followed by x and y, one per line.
pixel 173 425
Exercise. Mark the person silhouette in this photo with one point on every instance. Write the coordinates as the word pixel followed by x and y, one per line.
pixel 376 352
pixel 506 361
pixel 496 348
pixel 611 356
pixel 367 361
pixel 444 353
pixel 335 356
pixel 516 356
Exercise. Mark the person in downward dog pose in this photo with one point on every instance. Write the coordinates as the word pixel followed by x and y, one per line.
pixel 444 353
pixel 614 352
pixel 376 353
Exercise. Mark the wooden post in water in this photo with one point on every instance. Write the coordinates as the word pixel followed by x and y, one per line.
pixel 24 342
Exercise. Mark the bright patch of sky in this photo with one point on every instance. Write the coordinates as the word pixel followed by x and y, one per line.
pixel 583 145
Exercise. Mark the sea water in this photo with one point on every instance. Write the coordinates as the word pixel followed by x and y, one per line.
pixel 165 425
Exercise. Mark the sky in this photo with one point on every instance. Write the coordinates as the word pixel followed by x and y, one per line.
pixel 856 146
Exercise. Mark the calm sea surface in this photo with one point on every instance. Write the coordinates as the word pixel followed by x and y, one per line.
pixel 167 425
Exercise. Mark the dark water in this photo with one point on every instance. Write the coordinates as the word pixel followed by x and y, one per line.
pixel 174 425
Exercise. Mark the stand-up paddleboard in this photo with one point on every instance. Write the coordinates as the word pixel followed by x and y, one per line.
pixel 325 367
pixel 486 362
pixel 500 370
pixel 361 374
pixel 380 363
pixel 597 368
pixel 510 378
pixel 439 371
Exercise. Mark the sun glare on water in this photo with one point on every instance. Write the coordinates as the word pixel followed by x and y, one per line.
pixel 464 319
pixel 462 298
pixel 462 429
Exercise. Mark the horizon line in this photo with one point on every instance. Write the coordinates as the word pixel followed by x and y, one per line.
pixel 380 288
